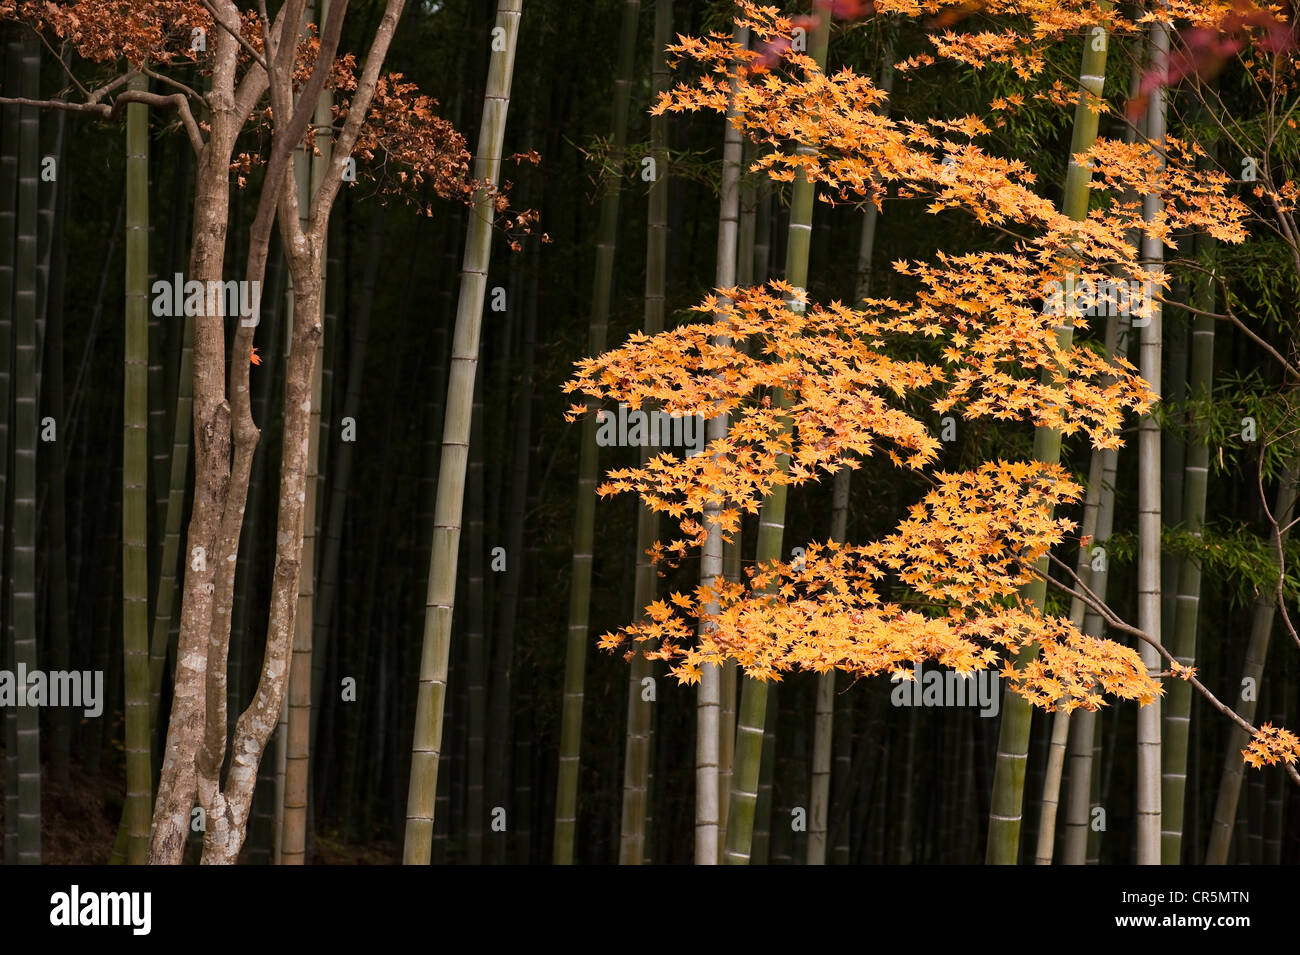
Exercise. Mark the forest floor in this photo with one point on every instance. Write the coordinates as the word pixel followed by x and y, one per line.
pixel 78 818
pixel 79 822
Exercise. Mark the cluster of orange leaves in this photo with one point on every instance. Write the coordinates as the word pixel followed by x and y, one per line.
pixel 1021 32
pixel 1271 745
pixel 154 31
pixel 812 389
pixel 966 547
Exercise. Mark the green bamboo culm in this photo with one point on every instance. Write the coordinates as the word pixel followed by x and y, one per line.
pixel 9 119
pixel 1149 743
pixel 584 521
pixel 22 576
pixel 824 713
pixel 182 422
pixel 636 751
pixel 426 745
pixel 1003 846
pixel 135 470
pixel 708 707
pixel 771 523
pixel 1178 695
pixel 1099 521
pixel 1224 821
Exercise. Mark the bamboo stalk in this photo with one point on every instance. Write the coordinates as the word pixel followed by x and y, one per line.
pixel 771 525
pixel 824 719
pixel 1226 802
pixel 636 749
pixel 23 535
pixel 427 743
pixel 9 120
pixel 708 796
pixel 135 472
pixel 1178 707
pixel 584 524
pixel 1148 717
pixel 1003 846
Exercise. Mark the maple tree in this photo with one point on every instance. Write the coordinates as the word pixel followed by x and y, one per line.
pixel 246 57
pixel 973 339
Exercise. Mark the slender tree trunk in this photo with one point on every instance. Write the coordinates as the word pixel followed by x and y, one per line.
pixel 298 731
pixel 1003 846
pixel 178 782
pixel 427 743
pixel 584 524
pixel 771 527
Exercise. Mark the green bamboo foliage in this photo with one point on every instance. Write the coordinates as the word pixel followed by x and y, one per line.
pixel 426 746
pixel 1003 846
pixel 636 749
pixel 23 535
pixel 771 528
pixel 1148 717
pixel 135 471
pixel 1226 802
pixel 584 522
pixel 1178 699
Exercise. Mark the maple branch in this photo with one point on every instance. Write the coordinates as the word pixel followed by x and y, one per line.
pixel 58 56
pixel 248 47
pixel 1086 594
pixel 1231 316
pixel 357 110
pixel 174 83
pixel 107 111
pixel 1278 533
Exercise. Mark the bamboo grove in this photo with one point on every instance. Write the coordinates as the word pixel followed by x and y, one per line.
pixel 649 431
